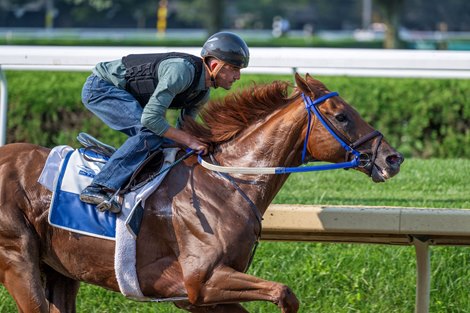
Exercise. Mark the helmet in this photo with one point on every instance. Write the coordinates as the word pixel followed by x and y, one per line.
pixel 227 47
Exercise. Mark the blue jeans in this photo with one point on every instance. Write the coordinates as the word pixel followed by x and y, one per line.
pixel 121 111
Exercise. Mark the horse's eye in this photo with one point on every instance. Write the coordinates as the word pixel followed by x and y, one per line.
pixel 341 117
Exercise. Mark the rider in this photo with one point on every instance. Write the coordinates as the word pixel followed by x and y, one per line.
pixel 132 95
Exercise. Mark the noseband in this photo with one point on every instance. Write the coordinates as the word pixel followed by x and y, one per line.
pixel 359 159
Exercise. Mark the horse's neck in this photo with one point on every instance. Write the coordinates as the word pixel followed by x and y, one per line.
pixel 275 142
pixel 267 143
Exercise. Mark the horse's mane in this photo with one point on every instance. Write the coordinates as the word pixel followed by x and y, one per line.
pixel 225 118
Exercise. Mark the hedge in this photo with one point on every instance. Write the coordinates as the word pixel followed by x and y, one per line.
pixel 313 41
pixel 421 117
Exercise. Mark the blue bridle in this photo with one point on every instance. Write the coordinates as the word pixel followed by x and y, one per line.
pixel 311 106
pixel 358 160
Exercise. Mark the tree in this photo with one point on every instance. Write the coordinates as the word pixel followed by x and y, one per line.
pixel 391 17
pixel 20 7
pixel 103 11
pixel 215 18
pixel 96 4
pixel 208 13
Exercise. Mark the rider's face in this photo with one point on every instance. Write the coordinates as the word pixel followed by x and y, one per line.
pixel 227 75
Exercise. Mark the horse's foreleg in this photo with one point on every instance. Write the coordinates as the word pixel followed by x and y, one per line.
pixel 226 285
pixel 61 291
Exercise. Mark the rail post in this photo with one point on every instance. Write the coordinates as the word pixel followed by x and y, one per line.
pixel 3 108
pixel 423 274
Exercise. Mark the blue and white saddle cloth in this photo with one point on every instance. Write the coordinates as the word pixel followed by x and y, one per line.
pixel 67 172
pixel 67 211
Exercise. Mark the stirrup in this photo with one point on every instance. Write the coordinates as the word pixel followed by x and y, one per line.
pixel 88 141
pixel 110 205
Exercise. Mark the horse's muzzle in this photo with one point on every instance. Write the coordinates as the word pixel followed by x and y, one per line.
pixel 385 167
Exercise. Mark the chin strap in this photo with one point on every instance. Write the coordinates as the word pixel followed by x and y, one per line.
pixel 213 74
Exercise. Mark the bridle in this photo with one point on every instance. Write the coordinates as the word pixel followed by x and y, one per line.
pixel 362 160
pixel 359 160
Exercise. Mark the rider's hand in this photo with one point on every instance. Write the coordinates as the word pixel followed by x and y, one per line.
pixel 187 140
pixel 199 147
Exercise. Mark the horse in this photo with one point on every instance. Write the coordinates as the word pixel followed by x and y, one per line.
pixel 200 226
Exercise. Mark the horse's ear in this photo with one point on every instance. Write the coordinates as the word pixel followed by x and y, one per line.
pixel 311 81
pixel 301 83
pixel 305 85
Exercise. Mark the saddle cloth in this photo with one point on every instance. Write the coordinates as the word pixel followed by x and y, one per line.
pixel 67 172
pixel 66 210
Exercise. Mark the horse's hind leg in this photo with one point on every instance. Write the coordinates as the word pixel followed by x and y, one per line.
pixel 220 308
pixel 61 291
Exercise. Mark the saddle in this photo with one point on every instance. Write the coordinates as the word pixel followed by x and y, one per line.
pixel 148 170
pixel 68 171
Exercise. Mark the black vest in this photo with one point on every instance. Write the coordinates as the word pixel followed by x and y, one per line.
pixel 142 78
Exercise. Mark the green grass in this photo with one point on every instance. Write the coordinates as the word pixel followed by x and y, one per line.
pixel 336 278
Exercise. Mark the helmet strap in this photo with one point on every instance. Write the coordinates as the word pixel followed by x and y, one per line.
pixel 213 73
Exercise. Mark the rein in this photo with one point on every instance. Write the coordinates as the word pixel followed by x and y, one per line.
pixel 359 159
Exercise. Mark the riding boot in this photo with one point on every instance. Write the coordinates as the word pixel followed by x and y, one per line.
pixel 100 196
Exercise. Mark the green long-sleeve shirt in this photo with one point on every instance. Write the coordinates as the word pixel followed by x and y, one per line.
pixel 175 75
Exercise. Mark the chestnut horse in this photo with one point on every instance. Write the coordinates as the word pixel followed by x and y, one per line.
pixel 200 226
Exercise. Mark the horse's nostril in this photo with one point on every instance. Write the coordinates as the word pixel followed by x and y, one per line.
pixel 395 159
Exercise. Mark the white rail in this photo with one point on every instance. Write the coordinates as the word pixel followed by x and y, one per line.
pixel 384 225
pixel 316 61
pixel 325 61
